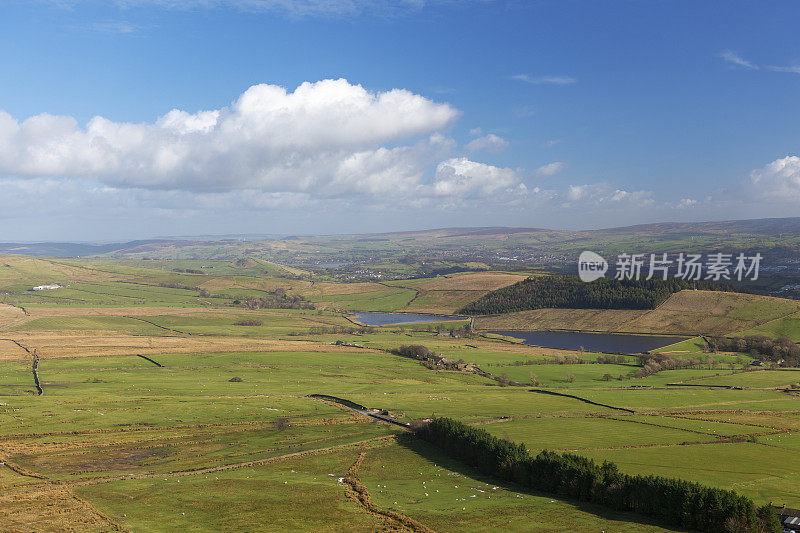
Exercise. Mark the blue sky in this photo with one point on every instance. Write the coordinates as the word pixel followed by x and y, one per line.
pixel 566 114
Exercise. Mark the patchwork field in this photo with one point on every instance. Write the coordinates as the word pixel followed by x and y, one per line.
pixel 140 407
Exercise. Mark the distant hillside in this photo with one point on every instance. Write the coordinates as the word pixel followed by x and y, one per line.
pixel 498 247
pixel 764 226
pixel 69 249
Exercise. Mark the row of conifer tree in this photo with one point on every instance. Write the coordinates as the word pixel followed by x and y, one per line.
pixel 672 501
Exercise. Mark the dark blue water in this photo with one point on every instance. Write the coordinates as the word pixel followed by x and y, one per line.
pixel 595 342
pixel 390 319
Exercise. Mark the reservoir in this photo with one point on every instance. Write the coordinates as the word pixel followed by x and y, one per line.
pixel 593 342
pixel 390 319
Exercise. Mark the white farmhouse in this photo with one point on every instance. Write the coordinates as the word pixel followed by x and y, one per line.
pixel 47 287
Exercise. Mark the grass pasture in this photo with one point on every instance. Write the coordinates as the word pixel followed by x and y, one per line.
pixel 421 483
pixel 752 469
pixel 386 299
pixel 788 326
pixel 160 413
pixel 695 345
pixel 570 434
pixel 272 497
pixel 754 379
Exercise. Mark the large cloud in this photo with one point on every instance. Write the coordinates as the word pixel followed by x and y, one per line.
pixel 328 136
pixel 330 146
pixel 778 181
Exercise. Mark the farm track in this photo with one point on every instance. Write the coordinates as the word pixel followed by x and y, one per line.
pixel 360 409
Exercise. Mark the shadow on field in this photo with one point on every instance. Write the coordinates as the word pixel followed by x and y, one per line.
pixel 433 454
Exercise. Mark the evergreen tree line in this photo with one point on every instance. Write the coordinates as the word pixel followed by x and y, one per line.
pixel 782 350
pixel 570 292
pixel 673 501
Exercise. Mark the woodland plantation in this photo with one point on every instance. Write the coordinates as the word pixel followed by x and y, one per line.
pixel 569 292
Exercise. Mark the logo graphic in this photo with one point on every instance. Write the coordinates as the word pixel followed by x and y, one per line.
pixel 591 266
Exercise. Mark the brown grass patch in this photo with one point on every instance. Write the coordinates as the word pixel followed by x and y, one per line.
pixel 57 344
pixel 330 289
pixel 11 316
pixel 473 281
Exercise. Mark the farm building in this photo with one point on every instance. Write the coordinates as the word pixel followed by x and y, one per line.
pixel 790 518
pixel 49 287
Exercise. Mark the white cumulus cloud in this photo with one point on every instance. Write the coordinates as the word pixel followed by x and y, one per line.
pixel 463 177
pixel 329 135
pixel 778 181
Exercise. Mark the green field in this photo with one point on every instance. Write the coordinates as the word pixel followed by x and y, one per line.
pixel 160 413
pixel 752 469
pixel 390 299
pixel 783 327
pixel 425 485
pixel 755 379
